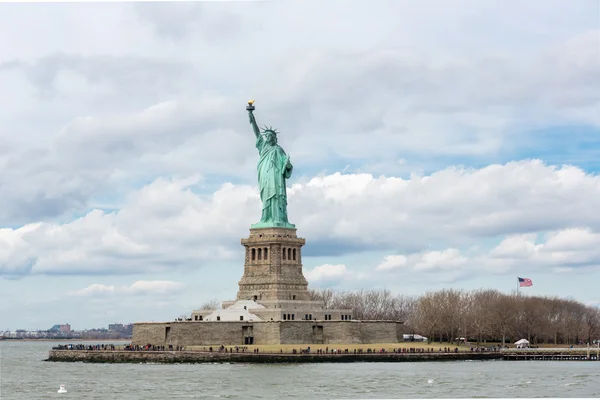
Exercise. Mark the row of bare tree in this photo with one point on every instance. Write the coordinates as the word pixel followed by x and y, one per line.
pixel 479 316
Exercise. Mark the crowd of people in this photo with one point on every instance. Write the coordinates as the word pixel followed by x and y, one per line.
pixel 152 347
pixel 87 347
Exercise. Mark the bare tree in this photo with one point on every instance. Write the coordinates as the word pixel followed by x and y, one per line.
pixel 428 316
pixel 406 310
pixel 591 324
pixel 323 295
pixel 451 305
pixel 211 305
pixel 575 320
pixel 482 315
pixel 504 311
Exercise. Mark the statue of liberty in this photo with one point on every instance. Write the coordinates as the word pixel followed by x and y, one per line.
pixel 273 168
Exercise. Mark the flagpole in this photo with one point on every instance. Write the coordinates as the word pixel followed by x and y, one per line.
pixel 517 286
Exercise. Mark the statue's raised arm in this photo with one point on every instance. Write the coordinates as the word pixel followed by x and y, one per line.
pixel 250 109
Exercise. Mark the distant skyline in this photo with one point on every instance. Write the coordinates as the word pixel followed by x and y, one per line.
pixel 435 145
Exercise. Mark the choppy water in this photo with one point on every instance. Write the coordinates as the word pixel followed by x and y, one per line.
pixel 23 375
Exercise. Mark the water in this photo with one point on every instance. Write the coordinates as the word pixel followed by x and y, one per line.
pixel 23 375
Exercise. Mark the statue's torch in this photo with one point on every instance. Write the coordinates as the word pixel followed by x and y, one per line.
pixel 250 106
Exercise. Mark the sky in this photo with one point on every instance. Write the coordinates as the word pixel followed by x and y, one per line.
pixel 435 144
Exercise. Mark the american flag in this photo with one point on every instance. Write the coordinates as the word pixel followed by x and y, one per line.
pixel 525 282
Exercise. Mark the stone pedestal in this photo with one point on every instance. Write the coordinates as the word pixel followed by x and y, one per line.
pixel 273 266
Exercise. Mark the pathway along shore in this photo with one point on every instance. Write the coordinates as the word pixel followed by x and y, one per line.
pixel 171 357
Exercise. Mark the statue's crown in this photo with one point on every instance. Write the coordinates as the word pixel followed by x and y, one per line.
pixel 270 129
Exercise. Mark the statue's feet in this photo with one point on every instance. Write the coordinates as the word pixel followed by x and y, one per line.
pixel 272 224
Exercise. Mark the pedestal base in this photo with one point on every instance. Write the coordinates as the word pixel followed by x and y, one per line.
pixel 273 265
pixel 262 225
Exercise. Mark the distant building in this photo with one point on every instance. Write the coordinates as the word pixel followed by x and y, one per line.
pixel 123 329
pixel 66 328
pixel 115 327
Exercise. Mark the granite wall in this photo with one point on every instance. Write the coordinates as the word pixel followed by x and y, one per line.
pixel 207 333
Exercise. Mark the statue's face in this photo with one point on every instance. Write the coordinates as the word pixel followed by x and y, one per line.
pixel 271 138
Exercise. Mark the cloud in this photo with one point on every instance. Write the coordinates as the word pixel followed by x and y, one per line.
pixel 96 289
pixel 92 157
pixel 157 231
pixel 215 23
pixel 569 250
pixel 16 257
pixel 442 102
pixel 111 117
pixel 167 225
pixel 440 260
pixel 327 274
pixel 391 263
pixel 65 75
pixel 135 289
pixel 455 205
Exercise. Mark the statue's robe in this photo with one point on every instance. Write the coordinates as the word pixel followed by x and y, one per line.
pixel 273 170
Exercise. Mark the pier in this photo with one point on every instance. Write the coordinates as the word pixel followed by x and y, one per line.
pixel 196 356
pixel 552 354
pixel 172 357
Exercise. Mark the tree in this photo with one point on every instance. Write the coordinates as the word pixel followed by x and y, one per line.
pixel 452 306
pixel 323 295
pixel 427 319
pixel 504 311
pixel 575 320
pixel 406 310
pixel 591 324
pixel 211 305
pixel 482 312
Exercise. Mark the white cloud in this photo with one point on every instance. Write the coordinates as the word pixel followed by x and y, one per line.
pixel 95 290
pixel 516 246
pixel 326 273
pixel 166 225
pixel 391 263
pixel 146 106
pixel 573 239
pixel 440 260
pixel 566 248
pixel 456 205
pixel 136 288
pixel 155 287
pixel 564 251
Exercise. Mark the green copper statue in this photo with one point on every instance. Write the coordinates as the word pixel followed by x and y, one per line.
pixel 273 168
